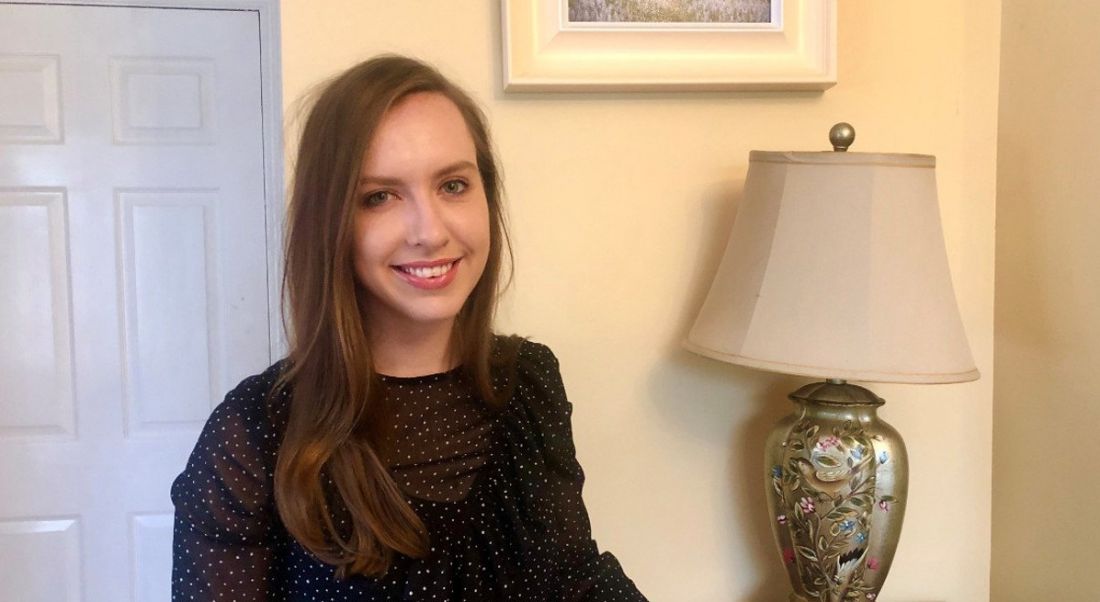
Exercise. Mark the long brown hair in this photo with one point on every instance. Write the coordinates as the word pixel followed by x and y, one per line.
pixel 332 487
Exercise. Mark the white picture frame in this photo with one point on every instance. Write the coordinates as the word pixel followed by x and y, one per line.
pixel 544 52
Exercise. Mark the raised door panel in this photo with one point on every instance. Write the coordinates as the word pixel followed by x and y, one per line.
pixel 30 105
pixel 36 378
pixel 169 253
pixel 40 559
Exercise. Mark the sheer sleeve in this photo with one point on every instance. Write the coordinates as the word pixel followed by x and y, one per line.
pixel 225 514
pixel 586 574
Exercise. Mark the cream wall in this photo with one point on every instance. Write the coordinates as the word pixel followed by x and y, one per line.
pixel 1048 305
pixel 620 205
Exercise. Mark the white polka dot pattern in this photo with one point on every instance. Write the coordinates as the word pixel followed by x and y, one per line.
pixel 500 493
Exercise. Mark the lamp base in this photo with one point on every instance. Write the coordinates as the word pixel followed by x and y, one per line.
pixel 837 482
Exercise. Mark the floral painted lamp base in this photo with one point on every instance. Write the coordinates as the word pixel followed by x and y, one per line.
pixel 837 480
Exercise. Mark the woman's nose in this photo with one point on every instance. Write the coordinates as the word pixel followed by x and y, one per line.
pixel 426 226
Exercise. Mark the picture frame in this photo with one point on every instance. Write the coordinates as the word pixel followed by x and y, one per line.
pixel 545 52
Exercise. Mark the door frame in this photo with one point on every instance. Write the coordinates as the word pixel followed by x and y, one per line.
pixel 271 107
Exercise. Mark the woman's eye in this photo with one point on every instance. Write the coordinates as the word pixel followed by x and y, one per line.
pixel 376 198
pixel 454 186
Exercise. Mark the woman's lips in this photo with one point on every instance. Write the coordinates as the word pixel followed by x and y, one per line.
pixel 428 275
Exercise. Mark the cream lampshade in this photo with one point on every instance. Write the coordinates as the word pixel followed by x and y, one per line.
pixel 836 269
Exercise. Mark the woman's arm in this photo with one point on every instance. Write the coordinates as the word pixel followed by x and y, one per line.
pixel 585 573
pixel 204 568
pixel 225 523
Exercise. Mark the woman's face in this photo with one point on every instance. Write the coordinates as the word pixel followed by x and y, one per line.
pixel 422 225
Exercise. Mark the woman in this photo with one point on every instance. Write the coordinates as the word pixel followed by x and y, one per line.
pixel 401 451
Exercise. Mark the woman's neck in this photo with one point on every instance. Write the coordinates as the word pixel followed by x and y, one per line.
pixel 412 351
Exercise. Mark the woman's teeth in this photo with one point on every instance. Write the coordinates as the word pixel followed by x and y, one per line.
pixel 432 272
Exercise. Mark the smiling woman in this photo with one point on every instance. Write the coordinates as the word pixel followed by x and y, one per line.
pixel 401 446
pixel 422 233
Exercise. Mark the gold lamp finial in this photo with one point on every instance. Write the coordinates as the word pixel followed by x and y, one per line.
pixel 842 135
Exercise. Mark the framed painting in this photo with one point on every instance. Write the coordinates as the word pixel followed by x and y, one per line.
pixel 654 45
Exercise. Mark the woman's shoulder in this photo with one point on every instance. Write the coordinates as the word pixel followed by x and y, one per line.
pixel 520 361
pixel 539 411
pixel 248 419
pixel 536 385
pixel 225 490
pixel 537 355
pixel 256 396
pixel 261 383
pixel 516 350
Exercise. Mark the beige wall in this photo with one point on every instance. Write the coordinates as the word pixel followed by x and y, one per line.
pixel 1045 488
pixel 620 205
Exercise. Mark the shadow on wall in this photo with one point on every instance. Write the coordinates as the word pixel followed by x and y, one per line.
pixel 733 407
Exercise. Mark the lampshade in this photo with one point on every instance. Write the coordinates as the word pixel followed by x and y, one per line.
pixel 836 268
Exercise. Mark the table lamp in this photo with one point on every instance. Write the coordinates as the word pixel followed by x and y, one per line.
pixel 836 269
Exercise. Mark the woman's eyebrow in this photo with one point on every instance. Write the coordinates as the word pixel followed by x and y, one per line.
pixel 384 181
pixel 453 167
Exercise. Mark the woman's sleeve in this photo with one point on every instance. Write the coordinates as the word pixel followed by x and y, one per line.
pixel 225 514
pixel 587 574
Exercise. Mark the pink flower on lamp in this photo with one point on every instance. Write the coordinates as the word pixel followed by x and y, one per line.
pixel 872 563
pixel 788 556
pixel 807 505
pixel 884 505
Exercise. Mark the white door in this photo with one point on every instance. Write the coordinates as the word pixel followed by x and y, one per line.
pixel 133 280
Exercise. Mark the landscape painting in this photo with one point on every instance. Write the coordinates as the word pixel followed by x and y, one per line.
pixel 670 11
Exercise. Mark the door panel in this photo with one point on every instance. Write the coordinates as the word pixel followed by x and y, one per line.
pixel 37 373
pixel 133 245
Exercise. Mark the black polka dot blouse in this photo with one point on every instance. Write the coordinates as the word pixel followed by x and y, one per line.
pixel 499 491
